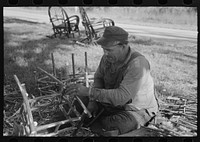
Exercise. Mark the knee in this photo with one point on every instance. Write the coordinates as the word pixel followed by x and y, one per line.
pixel 123 124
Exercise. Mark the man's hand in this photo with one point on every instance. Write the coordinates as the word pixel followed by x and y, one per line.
pixel 93 108
pixel 77 89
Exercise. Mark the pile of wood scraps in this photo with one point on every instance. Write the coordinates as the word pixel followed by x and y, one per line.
pixel 12 101
pixel 178 116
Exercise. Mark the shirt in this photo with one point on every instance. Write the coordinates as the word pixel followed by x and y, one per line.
pixel 133 89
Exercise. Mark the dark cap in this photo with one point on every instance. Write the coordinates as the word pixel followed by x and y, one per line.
pixel 112 34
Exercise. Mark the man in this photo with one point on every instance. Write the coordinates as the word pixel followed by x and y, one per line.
pixel 123 85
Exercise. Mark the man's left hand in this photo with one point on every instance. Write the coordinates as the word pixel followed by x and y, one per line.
pixel 77 89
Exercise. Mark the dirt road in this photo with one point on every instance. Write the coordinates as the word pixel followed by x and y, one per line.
pixel 36 16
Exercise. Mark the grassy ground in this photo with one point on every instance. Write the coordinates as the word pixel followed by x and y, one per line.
pixel 173 62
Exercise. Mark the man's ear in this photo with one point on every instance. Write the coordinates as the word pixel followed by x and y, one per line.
pixel 124 46
pixel 116 42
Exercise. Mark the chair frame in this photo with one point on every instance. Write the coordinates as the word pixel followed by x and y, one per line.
pixel 92 33
pixel 67 25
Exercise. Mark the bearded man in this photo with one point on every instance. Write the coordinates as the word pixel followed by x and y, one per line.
pixel 123 85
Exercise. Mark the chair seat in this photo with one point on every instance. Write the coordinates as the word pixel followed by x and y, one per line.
pixel 61 26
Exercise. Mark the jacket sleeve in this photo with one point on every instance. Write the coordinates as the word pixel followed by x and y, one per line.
pixel 132 81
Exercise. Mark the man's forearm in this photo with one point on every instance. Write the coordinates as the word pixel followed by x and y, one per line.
pixel 112 96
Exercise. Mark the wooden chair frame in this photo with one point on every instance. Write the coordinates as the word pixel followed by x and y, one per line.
pixel 93 29
pixel 61 23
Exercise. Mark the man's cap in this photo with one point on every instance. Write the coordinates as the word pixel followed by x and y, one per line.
pixel 112 34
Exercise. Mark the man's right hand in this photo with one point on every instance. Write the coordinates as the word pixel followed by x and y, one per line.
pixel 93 108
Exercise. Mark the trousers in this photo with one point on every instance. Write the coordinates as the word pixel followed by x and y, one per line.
pixel 121 120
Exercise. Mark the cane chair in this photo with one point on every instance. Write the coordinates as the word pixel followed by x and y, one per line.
pixel 61 23
pixel 93 28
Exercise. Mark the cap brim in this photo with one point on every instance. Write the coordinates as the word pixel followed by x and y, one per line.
pixel 104 41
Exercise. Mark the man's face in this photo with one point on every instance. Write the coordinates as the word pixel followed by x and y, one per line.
pixel 113 53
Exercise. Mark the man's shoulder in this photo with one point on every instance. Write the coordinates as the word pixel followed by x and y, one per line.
pixel 138 60
pixel 137 56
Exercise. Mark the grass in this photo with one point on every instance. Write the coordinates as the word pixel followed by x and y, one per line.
pixel 173 62
pixel 171 17
pixel 174 66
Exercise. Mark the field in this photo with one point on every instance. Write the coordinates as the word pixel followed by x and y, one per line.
pixel 173 62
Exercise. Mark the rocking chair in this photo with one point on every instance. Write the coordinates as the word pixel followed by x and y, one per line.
pixel 93 28
pixel 62 24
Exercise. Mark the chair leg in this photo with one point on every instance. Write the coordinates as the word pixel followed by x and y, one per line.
pixel 155 120
pixel 68 34
pixel 78 31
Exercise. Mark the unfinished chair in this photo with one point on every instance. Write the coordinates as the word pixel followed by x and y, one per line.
pixel 62 24
pixel 45 107
pixel 53 103
pixel 93 28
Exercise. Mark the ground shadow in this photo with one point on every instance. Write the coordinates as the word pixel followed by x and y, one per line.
pixel 143 41
pixel 15 20
pixel 167 51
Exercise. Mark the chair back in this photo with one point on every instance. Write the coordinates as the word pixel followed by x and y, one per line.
pixel 89 30
pixel 57 15
pixel 61 22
